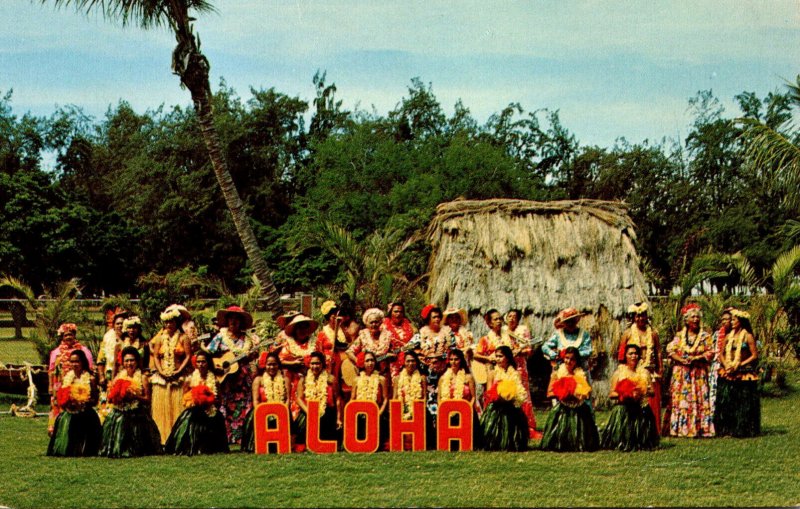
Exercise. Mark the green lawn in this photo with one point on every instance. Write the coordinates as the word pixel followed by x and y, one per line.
pixel 720 472
pixel 17 351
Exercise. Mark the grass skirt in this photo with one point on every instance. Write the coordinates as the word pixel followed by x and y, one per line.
pixel 505 427
pixel 195 432
pixel 327 426
pixel 570 429
pixel 738 408
pixel 631 427
pixel 130 433
pixel 75 434
pixel 167 405
pixel 249 432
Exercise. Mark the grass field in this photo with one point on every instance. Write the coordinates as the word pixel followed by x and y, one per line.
pixel 761 471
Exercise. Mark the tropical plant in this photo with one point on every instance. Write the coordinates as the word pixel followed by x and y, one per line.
pixel 189 63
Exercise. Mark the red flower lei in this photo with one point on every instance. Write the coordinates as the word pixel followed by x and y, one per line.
pixel 400 335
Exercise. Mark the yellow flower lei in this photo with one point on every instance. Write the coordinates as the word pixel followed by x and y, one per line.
pixel 70 379
pixel 640 376
pixel 229 342
pixel 454 387
pixel 683 342
pixel 410 391
pixel 735 342
pixel 317 390
pixel 167 350
pixel 274 388
pixel 209 381
pixel 298 351
pixel 643 340
pixel 367 386
pixel 511 374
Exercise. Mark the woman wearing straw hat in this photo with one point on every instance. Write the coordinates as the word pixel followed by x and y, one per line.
pixel 295 355
pixel 171 355
pixel 738 409
pixel 234 341
pixel 641 334
pixel 690 409
pixel 568 334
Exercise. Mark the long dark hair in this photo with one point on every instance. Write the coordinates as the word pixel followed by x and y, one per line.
pixel 82 357
pixel 458 353
pixel 505 350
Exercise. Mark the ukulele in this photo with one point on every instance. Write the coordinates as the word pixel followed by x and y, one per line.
pixel 228 363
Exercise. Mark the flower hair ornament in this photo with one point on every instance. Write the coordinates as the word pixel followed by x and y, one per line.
pixel 426 311
pixel 638 309
pixel 170 314
pixel 133 321
pixel 738 313
pixel 67 327
pixel 262 360
pixel 692 307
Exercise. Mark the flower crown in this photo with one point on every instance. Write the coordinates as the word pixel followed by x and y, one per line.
pixel 426 311
pixel 690 307
pixel 740 314
pixel 170 314
pixel 639 309
pixel 67 327
pixel 132 322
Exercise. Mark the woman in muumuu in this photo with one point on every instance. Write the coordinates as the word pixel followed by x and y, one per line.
pixel 200 428
pixel 128 430
pixel 269 387
pixel 631 425
pixel 738 408
pixel 76 430
pixel 570 424
pixel 504 424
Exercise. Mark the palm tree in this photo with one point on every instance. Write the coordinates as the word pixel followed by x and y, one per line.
pixel 189 63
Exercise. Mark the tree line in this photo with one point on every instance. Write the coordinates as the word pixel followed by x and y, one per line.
pixel 132 194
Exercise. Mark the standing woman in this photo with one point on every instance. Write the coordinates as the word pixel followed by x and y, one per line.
pixel 60 365
pixel 690 351
pixel 374 339
pixel 410 386
pixel 483 361
pixel 632 424
pixel 738 411
pixel 269 387
pixel 718 339
pixel 504 424
pixel 434 337
pixel 641 334
pixel 109 347
pixel 570 424
pixel 77 428
pixel 318 386
pixel 295 355
pixel 171 355
pixel 235 390
pixel 129 430
pixel 200 429
pixel 457 383
pixel 400 331
pixel 372 386
pixel 330 334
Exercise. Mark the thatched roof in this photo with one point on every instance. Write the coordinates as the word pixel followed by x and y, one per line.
pixel 537 256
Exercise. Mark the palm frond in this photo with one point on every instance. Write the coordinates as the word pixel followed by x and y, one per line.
pixel 144 13
pixel 791 230
pixel 767 148
pixel 783 271
pixel 18 286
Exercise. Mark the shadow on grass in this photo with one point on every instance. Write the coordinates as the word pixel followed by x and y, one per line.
pixel 772 430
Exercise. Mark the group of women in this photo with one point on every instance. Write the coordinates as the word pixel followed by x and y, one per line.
pixel 178 395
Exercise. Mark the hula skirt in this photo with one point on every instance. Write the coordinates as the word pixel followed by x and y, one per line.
pixel 631 427
pixel 249 434
pixel 570 429
pixel 505 427
pixel 327 426
pixel 75 434
pixel 130 433
pixel 738 408
pixel 195 432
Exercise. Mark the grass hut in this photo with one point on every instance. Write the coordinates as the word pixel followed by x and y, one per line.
pixel 539 257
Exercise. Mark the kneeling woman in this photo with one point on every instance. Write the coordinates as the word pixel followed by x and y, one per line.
pixel 129 430
pixel 318 386
pixel 457 383
pixel 570 425
pixel 371 386
pixel 200 428
pixel 77 428
pixel 504 424
pixel 632 424
pixel 410 386
pixel 270 387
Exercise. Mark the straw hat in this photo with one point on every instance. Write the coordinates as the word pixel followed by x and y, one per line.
pixel 285 318
pixel 460 312
pixel 246 318
pixel 566 315
pixel 298 319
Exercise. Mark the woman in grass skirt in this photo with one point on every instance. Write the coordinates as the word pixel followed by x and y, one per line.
pixel 77 428
pixel 570 425
pixel 738 407
pixel 318 385
pixel 504 424
pixel 200 428
pixel 269 387
pixel 371 386
pixel 129 430
pixel 632 425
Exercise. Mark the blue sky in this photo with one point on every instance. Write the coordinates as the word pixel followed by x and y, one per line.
pixel 612 68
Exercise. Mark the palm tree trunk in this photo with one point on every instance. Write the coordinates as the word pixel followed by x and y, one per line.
pixel 193 67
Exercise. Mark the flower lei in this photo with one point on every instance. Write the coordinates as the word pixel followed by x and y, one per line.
pixel 463 339
pixel 297 350
pixel 167 351
pixel 570 342
pixel 209 381
pixel 334 337
pixel 410 391
pixel 79 390
pixel 643 340
pixel 136 386
pixel 640 376
pixel 512 375
pixel 274 388
pixel 453 389
pixel 379 347
pixel 367 386
pixel 690 348
pixel 317 390
pixel 435 342
pixel 403 333
pixel 231 344
pixel 735 342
